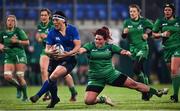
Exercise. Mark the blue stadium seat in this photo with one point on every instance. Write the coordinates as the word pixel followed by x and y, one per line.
pixel 32 14
pixel 20 13
pixel 90 12
pixel 68 10
pixel 80 12
pixel 121 10
pixel 101 10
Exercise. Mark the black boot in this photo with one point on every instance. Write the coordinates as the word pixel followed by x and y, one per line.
pixel 53 103
pixel 145 96
pixel 174 98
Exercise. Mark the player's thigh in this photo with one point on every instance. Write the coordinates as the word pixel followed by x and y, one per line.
pixel 44 61
pixel 9 67
pixel 175 65
pixel 20 67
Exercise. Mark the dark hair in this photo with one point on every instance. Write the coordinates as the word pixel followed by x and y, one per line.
pixel 104 31
pixel 135 6
pixel 61 14
pixel 170 5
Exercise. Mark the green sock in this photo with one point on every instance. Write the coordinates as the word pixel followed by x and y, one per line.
pixel 72 90
pixel 101 99
pixel 152 91
pixel 176 84
pixel 24 90
pixel 146 80
pixel 14 82
pixel 142 78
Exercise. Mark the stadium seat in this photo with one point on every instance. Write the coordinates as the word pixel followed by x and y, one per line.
pixel 101 10
pixel 80 12
pixel 90 12
pixel 20 13
pixel 32 14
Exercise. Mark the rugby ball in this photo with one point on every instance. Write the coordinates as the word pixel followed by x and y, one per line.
pixel 59 48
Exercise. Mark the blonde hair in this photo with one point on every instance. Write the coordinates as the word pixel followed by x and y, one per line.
pixel 15 20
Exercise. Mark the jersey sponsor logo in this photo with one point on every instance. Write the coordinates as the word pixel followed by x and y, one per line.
pixel 130 26
pixel 164 24
pixel 94 50
pixel 5 36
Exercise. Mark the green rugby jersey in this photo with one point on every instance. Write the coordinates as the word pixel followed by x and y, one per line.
pixel 173 26
pixel 5 37
pixel 100 59
pixel 43 28
pixel 136 30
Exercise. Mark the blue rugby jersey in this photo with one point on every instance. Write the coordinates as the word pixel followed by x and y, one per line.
pixel 55 37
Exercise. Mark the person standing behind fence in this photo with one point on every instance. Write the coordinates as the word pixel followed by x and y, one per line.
pixel 12 42
pixel 43 28
pixel 137 30
pixel 168 29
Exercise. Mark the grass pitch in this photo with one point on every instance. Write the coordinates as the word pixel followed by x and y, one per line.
pixel 124 99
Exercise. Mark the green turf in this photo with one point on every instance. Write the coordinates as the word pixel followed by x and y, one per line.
pixel 124 99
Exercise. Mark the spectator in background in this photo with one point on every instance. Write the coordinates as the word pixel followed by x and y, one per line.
pixel 102 71
pixel 61 64
pixel 12 42
pixel 43 28
pixel 137 29
pixel 168 28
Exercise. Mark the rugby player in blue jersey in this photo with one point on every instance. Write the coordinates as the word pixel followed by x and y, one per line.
pixel 60 64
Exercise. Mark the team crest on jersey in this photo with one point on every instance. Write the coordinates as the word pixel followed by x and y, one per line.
pixel 140 27
pixel 176 24
pixel 47 30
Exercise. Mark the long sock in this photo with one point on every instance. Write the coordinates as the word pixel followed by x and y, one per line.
pixel 101 99
pixel 53 90
pixel 14 82
pixel 44 88
pixel 152 91
pixel 24 90
pixel 143 79
pixel 72 90
pixel 176 84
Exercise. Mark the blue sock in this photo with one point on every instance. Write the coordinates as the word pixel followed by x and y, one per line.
pixel 53 90
pixel 44 88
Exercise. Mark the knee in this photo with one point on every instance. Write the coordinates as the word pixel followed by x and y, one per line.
pixel 89 101
pixel 8 75
pixel 8 78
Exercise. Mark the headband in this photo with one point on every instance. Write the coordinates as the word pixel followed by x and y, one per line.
pixel 59 17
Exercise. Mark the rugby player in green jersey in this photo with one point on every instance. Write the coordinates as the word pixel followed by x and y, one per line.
pixel 43 28
pixel 12 42
pixel 102 72
pixel 136 30
pixel 168 28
